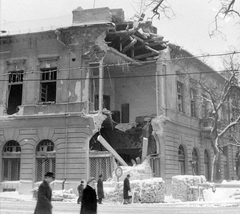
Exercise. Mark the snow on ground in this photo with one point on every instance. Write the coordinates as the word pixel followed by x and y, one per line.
pixel 221 195
pixel 15 195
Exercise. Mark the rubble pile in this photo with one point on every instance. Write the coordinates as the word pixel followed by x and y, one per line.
pixel 143 191
pixel 185 187
pixel 152 191
pixel 137 172
pixel 63 195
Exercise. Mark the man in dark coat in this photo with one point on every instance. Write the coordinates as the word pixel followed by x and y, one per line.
pixel 44 205
pixel 80 192
pixel 126 190
pixel 89 198
pixel 100 190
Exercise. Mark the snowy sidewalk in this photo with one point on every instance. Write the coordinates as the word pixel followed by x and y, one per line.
pixel 220 198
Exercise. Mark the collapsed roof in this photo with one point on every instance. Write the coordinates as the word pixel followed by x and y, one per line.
pixel 136 39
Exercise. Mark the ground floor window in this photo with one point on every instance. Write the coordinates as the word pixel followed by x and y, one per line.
pixel 155 165
pixel 195 167
pixel 181 160
pixel 45 159
pixel 11 161
pixel 11 169
pixel 101 166
pixel 206 165
pixel 45 165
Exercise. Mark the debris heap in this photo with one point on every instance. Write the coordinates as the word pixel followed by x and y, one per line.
pixel 185 187
pixel 63 195
pixel 144 191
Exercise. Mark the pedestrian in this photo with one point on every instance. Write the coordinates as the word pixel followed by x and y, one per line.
pixel 126 190
pixel 44 205
pixel 89 198
pixel 80 192
pixel 100 190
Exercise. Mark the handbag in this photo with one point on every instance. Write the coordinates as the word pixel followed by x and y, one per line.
pixel 129 193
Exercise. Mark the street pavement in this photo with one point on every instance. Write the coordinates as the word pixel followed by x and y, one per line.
pixel 27 207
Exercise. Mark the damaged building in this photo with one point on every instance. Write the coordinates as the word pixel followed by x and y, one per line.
pixel 82 99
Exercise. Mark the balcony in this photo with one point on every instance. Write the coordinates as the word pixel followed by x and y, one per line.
pixel 206 124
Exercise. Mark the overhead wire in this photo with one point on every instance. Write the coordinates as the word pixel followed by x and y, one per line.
pixel 138 63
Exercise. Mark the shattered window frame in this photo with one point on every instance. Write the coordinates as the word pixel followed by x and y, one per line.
pixel 48 84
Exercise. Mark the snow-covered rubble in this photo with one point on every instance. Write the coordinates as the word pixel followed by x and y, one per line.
pixel 137 172
pixel 63 195
pixel 185 187
pixel 144 191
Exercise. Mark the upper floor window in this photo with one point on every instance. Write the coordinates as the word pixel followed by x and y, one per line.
pixel 48 84
pixel 180 96
pixel 204 106
pixel 15 86
pixel 15 76
pixel 193 94
pixel 48 77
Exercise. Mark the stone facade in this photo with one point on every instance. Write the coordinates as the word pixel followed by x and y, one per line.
pixel 51 88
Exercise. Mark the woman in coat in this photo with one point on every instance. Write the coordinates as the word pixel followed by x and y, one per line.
pixel 126 190
pixel 44 205
pixel 100 190
pixel 89 198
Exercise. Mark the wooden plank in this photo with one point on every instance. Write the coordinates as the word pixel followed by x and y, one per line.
pixel 145 55
pixel 110 149
pixel 144 148
pixel 130 45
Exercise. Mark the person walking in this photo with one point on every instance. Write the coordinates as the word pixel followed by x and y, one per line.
pixel 89 198
pixel 44 205
pixel 126 190
pixel 80 192
pixel 100 190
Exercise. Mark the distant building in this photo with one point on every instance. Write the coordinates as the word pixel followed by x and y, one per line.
pixel 105 76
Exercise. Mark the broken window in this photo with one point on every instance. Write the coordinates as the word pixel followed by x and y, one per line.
pixel 125 113
pixel 106 102
pixel 11 161
pixel 48 84
pixel 94 85
pixel 15 85
pixel 193 94
pixel 180 96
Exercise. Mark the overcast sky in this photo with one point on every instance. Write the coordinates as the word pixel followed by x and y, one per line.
pixel 189 28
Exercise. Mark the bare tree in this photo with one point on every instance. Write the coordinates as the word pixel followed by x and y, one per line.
pixel 162 8
pixel 221 93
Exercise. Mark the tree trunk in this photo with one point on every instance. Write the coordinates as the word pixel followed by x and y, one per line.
pixel 215 158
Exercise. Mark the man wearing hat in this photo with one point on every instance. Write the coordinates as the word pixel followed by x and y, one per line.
pixel 44 205
pixel 126 190
pixel 89 198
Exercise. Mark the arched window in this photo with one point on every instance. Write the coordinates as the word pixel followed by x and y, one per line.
pixel 181 160
pixel 195 163
pixel 45 159
pixel 206 165
pixel 11 161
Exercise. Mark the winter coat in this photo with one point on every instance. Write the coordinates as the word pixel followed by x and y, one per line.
pixel 126 188
pixel 100 190
pixel 89 201
pixel 44 205
pixel 80 190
